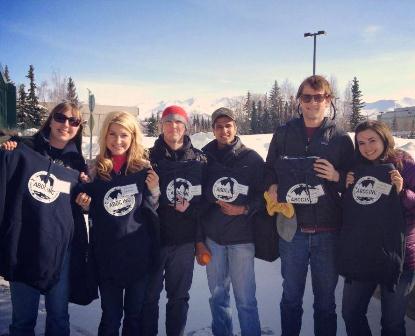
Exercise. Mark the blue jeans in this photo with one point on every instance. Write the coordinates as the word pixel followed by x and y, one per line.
pixel 176 269
pixel 115 299
pixel 232 264
pixel 25 303
pixel 356 297
pixel 318 251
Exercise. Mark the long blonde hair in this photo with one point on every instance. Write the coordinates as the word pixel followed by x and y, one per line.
pixel 136 154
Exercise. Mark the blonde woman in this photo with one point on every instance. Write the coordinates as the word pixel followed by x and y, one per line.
pixel 122 201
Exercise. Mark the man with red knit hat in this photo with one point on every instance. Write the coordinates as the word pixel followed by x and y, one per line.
pixel 179 166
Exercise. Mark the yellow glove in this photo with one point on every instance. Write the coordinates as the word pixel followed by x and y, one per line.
pixel 274 207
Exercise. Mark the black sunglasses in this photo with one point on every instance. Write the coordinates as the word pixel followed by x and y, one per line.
pixel 61 118
pixel 318 98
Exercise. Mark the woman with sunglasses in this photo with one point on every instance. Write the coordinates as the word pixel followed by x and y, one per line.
pixel 39 229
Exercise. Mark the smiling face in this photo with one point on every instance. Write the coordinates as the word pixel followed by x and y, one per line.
pixel 173 132
pixel 224 130
pixel 62 133
pixel 313 111
pixel 118 139
pixel 370 144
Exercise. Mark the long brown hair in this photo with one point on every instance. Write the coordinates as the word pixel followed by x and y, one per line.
pixel 61 108
pixel 390 153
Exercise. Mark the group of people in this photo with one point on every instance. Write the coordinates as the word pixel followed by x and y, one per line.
pixel 152 212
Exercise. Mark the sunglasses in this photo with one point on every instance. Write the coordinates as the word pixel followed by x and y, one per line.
pixel 61 118
pixel 318 98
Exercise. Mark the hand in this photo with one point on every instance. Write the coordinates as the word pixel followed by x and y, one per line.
pixel 230 209
pixel 349 179
pixel 83 200
pixel 396 180
pixel 9 145
pixel 84 178
pixel 272 191
pixel 203 255
pixel 181 204
pixel 152 180
pixel 325 169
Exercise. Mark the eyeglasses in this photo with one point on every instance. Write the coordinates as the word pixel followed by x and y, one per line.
pixel 318 98
pixel 61 118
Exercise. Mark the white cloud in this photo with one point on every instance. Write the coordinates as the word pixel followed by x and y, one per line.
pixel 371 31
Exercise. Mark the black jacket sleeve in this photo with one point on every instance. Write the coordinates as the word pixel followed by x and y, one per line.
pixel 270 177
pixel 346 148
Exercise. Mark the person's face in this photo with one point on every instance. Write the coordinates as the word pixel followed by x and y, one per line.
pixel 118 139
pixel 173 131
pixel 62 131
pixel 224 130
pixel 370 144
pixel 313 109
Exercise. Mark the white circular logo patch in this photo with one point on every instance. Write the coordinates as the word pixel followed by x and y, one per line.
pixel 183 190
pixel 304 194
pixel 41 187
pixel 366 191
pixel 117 203
pixel 227 189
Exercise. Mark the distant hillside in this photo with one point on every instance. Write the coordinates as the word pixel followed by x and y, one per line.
pixel 387 105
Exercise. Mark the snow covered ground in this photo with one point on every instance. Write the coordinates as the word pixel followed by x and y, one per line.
pixel 85 320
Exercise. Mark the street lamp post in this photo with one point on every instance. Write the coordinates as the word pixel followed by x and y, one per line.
pixel 320 32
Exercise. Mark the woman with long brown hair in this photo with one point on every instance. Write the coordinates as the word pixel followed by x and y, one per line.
pixel 37 221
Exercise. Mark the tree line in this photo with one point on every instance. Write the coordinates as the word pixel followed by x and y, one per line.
pixel 30 113
pixel 255 113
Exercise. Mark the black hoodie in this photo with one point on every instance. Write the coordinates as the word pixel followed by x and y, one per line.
pixel 372 238
pixel 327 142
pixel 36 210
pixel 221 228
pixel 176 228
pixel 125 228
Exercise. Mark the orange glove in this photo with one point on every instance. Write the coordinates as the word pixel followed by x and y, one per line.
pixel 203 255
pixel 273 207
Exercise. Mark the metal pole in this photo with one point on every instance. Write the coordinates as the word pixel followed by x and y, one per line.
pixel 314 55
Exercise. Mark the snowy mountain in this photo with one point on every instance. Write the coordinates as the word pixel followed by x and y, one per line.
pixel 192 105
pixel 385 105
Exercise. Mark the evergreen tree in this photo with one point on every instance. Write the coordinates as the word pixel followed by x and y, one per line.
pixel 21 107
pixel 266 124
pixel 34 112
pixel 275 104
pixel 260 109
pixel 357 104
pixel 71 94
pixel 7 74
pixel 152 126
pixel 254 129
pixel 244 124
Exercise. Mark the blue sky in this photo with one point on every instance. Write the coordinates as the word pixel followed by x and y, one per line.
pixel 132 52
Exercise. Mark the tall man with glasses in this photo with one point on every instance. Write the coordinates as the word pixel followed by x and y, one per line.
pixel 233 187
pixel 314 243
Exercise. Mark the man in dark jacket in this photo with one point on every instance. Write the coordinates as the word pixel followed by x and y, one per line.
pixel 232 185
pixel 314 242
pixel 178 222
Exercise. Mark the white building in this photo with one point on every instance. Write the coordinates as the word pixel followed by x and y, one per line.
pixel 401 119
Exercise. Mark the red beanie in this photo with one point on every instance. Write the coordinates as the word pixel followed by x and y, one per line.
pixel 175 112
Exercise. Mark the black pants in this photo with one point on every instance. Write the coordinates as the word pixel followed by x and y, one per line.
pixel 114 300
pixel 176 269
